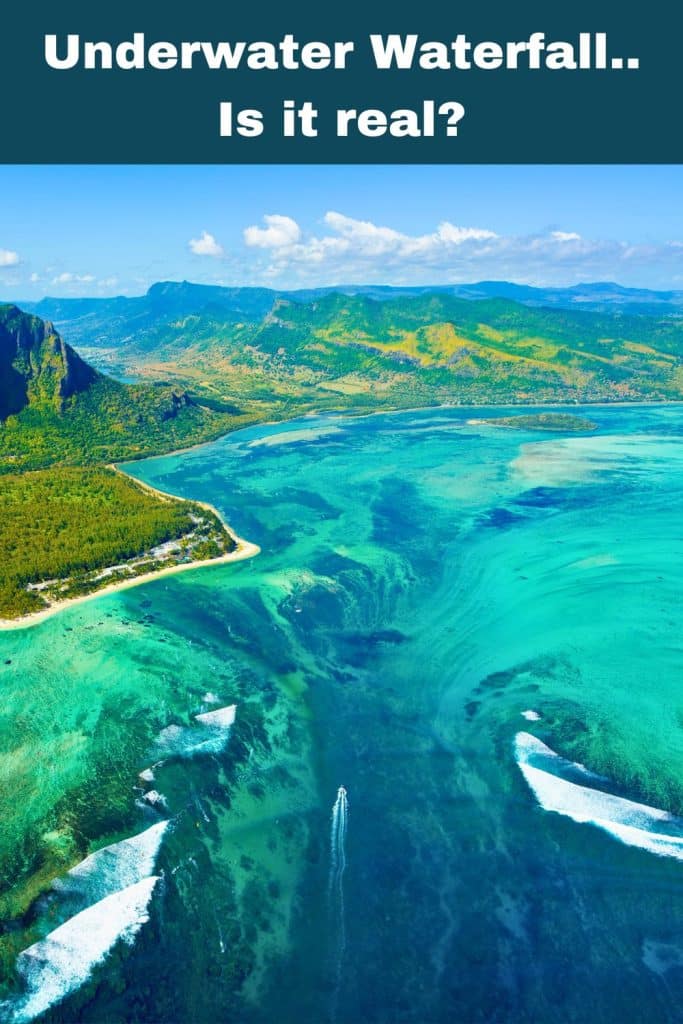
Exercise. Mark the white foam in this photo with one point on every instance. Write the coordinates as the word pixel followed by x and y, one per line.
pixel 531 749
pixel 209 736
pixel 531 716
pixel 114 867
pixel 154 797
pixel 222 718
pixel 632 823
pixel 294 436
pixel 59 964
pixel 170 736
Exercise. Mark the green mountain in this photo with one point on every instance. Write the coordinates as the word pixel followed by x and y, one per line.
pixel 251 353
pixel 205 372
pixel 55 408
pixel 36 367
pixel 353 351
pixel 106 321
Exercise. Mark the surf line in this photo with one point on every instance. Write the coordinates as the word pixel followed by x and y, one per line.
pixel 634 824
pixel 335 888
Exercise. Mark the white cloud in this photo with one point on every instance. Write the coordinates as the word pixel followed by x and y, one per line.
pixel 351 236
pixel 34 277
pixel 206 245
pixel 449 233
pixel 565 236
pixel 353 250
pixel 68 278
pixel 8 258
pixel 279 233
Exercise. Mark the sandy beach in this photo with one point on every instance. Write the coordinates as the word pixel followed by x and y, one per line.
pixel 244 549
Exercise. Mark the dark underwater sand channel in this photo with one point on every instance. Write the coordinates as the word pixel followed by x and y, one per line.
pixel 421 583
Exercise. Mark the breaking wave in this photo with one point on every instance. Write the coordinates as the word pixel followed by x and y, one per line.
pixel 60 963
pixel 635 824
pixel 112 868
pixel 222 718
pixel 209 736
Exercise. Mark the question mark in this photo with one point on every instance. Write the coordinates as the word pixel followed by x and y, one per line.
pixel 456 112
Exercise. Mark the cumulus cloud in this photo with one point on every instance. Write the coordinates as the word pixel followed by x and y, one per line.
pixel 206 245
pixel 68 278
pixel 354 238
pixel 280 232
pixel 352 250
pixel 8 258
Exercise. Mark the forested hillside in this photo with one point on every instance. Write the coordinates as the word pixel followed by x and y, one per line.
pixel 56 409
pixel 245 356
pixel 68 529
pixel 60 527
pixel 352 351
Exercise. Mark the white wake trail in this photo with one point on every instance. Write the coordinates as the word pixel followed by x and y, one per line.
pixel 335 888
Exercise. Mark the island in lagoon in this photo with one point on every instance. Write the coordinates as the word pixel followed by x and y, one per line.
pixel 558 422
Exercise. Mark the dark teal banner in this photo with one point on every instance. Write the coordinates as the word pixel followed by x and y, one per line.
pixel 209 82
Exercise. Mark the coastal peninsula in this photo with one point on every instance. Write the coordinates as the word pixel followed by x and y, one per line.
pixel 72 523
pixel 68 535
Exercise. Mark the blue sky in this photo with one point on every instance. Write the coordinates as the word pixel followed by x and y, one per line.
pixel 115 230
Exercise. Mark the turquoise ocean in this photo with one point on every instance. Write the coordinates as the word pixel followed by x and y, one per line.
pixel 421 760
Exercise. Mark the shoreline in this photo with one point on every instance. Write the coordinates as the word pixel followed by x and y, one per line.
pixel 352 414
pixel 243 550
pixel 246 549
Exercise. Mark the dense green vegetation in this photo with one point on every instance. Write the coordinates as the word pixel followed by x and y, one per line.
pixel 489 351
pixel 558 421
pixel 63 524
pixel 352 351
pixel 60 527
pixel 55 409
pixel 208 360
pixel 109 422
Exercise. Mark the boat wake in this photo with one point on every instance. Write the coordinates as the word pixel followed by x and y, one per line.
pixel 335 888
pixel 559 786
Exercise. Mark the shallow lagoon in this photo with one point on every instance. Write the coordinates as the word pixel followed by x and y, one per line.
pixel 422 582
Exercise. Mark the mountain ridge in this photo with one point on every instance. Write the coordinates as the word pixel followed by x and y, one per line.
pixel 36 362
pixel 247 355
pixel 353 351
pixel 56 408
pixel 186 296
